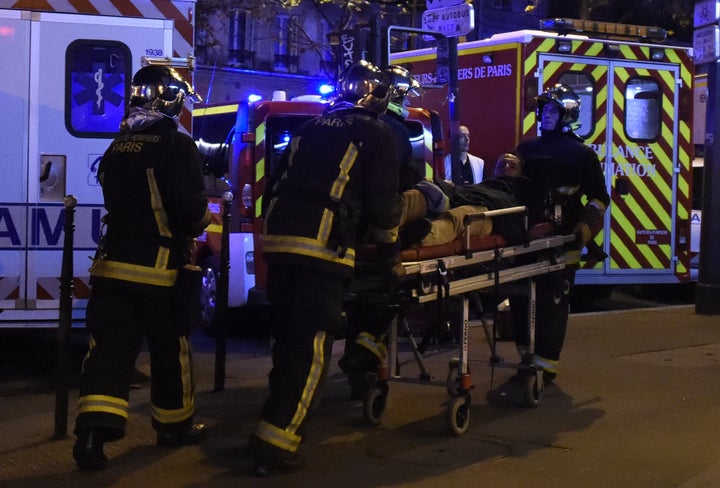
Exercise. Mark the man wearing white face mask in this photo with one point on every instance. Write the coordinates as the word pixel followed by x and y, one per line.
pixel 563 170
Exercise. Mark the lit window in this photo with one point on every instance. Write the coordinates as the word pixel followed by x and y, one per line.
pixel 584 87
pixel 642 109
pixel 241 45
pixel 286 47
pixel 97 87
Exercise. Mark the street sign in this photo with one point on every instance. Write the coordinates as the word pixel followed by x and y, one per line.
pixel 435 4
pixel 706 44
pixel 452 21
pixel 706 12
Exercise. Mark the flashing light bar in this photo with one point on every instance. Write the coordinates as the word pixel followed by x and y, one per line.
pixel 608 29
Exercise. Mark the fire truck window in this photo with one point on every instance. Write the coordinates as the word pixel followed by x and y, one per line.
pixel 212 134
pixel 278 132
pixel 97 83
pixel 584 87
pixel 417 139
pixel 642 109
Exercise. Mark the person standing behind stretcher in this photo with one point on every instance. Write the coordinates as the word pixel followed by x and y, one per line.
pixel 564 169
pixel 339 170
pixel 367 329
pixel 471 167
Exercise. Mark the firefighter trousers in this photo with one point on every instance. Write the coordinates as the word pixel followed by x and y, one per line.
pixel 552 310
pixel 118 318
pixel 307 304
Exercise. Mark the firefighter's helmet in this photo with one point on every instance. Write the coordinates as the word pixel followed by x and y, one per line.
pixel 566 100
pixel 363 84
pixel 161 89
pixel 403 84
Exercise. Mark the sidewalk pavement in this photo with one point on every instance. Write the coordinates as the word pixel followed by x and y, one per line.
pixel 636 404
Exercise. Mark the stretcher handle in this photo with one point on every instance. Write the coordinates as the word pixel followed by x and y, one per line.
pixel 494 213
pixel 470 218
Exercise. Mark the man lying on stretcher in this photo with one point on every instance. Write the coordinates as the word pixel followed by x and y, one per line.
pixel 449 204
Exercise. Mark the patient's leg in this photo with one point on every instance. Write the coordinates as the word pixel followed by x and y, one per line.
pixel 414 206
pixel 450 225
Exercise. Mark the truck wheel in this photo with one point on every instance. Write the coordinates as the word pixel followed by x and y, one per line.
pixel 208 292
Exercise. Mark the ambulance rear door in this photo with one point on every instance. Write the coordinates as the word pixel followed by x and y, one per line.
pixel 14 87
pixel 630 118
pixel 79 68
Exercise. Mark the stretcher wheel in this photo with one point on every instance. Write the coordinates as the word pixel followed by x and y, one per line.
pixel 534 388
pixel 374 404
pixel 458 415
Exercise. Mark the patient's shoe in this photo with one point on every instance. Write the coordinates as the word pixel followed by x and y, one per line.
pixel 174 439
pixel 88 451
pixel 414 231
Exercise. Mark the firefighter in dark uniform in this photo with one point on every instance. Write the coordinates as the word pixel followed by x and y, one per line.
pixel 153 187
pixel 365 341
pixel 563 170
pixel 339 170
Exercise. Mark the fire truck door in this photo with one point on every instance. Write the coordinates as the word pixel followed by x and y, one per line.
pixel 629 117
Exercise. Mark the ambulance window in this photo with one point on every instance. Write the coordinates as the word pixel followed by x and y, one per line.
pixel 642 109
pixel 584 87
pixel 97 86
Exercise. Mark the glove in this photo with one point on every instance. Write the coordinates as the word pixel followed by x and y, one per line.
pixel 397 272
pixel 592 215
pixel 389 258
pixel 582 234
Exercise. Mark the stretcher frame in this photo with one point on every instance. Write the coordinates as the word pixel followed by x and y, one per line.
pixel 433 279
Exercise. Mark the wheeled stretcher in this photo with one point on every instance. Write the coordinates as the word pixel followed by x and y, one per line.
pixel 461 268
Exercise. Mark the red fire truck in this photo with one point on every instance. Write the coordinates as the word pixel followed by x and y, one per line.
pixel 637 114
pixel 240 143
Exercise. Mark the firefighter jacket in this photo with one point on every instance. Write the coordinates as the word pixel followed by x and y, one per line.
pixel 338 173
pixel 410 174
pixel 563 169
pixel 153 188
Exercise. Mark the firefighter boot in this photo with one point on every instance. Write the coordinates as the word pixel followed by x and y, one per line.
pixel 269 460
pixel 361 366
pixel 88 451
pixel 191 436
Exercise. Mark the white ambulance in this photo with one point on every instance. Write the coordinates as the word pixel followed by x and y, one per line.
pixel 63 90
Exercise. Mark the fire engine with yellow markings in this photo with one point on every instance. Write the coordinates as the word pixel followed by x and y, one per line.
pixel 240 143
pixel 636 113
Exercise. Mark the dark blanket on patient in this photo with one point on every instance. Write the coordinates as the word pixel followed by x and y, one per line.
pixel 496 193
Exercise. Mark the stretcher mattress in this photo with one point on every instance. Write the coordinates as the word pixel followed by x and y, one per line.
pixel 469 264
